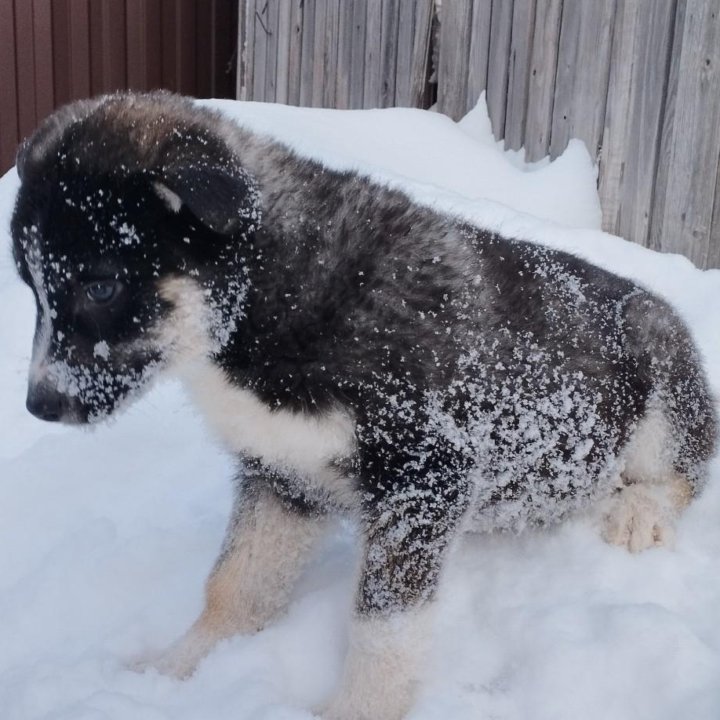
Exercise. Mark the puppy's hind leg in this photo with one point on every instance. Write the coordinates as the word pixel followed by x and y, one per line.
pixel 640 515
pixel 666 458
pixel 264 550
pixel 653 492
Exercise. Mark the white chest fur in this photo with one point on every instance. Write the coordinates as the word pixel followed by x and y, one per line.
pixel 301 443
pixel 297 441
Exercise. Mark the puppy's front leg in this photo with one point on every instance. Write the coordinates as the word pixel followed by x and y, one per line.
pixel 265 546
pixel 407 537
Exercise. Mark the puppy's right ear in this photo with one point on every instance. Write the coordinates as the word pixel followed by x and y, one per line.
pixel 221 199
pixel 217 191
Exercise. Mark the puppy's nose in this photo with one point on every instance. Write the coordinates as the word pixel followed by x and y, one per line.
pixel 45 403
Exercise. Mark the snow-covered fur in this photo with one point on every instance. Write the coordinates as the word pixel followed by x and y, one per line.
pixel 357 352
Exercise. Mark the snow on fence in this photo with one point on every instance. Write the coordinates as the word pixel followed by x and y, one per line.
pixel 637 80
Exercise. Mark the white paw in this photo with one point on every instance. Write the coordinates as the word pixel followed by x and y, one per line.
pixel 346 707
pixel 382 667
pixel 167 663
pixel 180 659
pixel 640 517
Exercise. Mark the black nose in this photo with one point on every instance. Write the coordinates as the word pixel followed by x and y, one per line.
pixel 45 403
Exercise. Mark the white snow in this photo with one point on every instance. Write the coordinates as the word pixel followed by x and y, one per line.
pixel 107 536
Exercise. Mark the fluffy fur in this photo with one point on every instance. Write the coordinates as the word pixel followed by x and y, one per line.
pixel 357 352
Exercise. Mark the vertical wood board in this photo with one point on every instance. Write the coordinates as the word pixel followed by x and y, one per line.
pixel 388 51
pixel 454 56
pixel 582 74
pixel 477 77
pixel 272 48
pixel 636 104
pixel 691 137
pixel 498 60
pixel 541 81
pixel 295 51
pixel 373 54
pixel 519 72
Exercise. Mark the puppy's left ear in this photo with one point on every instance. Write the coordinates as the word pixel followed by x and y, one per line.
pixel 221 195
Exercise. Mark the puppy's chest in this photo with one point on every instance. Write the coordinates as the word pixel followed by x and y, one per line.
pixel 302 445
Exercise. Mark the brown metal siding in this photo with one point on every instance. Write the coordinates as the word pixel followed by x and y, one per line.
pixel 55 51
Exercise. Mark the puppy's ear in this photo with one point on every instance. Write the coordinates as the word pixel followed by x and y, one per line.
pixel 222 196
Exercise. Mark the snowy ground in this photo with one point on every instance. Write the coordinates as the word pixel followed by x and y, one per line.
pixel 107 536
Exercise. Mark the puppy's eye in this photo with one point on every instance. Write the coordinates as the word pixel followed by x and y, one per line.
pixel 101 292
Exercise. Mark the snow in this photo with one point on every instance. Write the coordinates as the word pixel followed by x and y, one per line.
pixel 108 535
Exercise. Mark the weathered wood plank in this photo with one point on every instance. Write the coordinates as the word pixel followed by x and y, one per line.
pixel 373 54
pixel 318 81
pixel 295 53
pixel 633 122
pixel 688 172
pixel 583 74
pixel 330 52
pixel 242 50
pixel 479 51
pixel 713 259
pixel 403 59
pixel 498 61
pixel 271 19
pixel 454 56
pixel 519 72
pixel 541 83
pixel 667 130
pixel 424 10
pixel 260 32
pixel 284 34
pixel 616 136
pixel 307 54
pixel 389 51
pixel 567 69
pixel 357 53
pixel 344 55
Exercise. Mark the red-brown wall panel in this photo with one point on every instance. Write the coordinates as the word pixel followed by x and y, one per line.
pixel 55 51
pixel 8 85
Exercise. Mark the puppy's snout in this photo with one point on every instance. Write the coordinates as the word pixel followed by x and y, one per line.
pixel 46 403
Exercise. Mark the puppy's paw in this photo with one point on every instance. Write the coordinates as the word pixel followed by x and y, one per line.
pixel 345 708
pixel 180 659
pixel 168 662
pixel 639 517
pixel 382 666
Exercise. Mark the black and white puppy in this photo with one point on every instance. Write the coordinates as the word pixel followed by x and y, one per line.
pixel 358 353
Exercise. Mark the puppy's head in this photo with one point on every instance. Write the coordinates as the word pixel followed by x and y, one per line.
pixel 130 227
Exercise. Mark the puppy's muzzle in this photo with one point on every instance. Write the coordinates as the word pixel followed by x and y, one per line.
pixel 46 403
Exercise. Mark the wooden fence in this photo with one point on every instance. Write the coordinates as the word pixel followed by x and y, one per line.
pixel 336 53
pixel 637 80
pixel 54 51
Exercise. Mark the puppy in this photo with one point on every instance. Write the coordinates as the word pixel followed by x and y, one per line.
pixel 358 353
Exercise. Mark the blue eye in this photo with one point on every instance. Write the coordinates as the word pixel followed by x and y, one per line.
pixel 102 292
